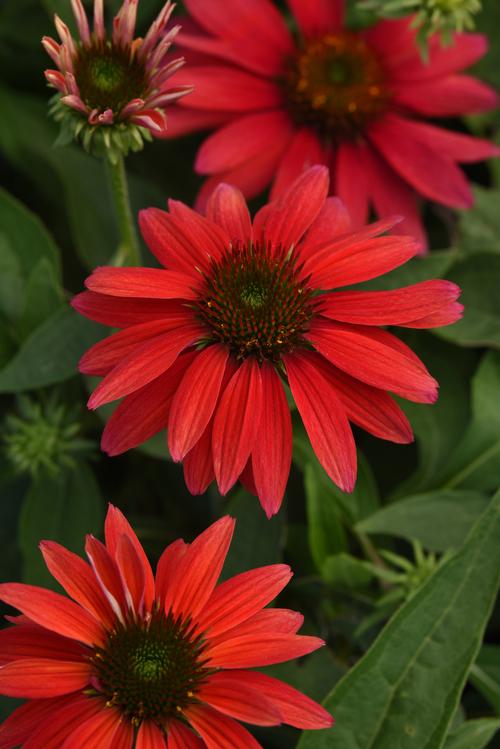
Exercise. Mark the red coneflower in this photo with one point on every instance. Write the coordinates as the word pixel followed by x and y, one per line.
pixel 356 101
pixel 114 81
pixel 207 344
pixel 156 660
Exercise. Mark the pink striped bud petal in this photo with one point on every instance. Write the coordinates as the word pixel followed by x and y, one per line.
pixel 167 72
pixel 52 48
pixel 65 60
pixel 133 106
pixel 151 119
pixel 156 57
pixel 124 23
pixel 101 118
pixel 72 85
pixel 56 79
pixel 156 29
pixel 99 28
pixel 65 35
pixel 168 96
pixel 75 103
pixel 81 21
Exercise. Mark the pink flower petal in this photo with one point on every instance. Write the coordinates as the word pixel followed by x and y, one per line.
pixel 324 419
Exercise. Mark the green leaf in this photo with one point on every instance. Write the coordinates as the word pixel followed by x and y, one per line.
pixel 43 297
pixel 404 692
pixel 478 278
pixel 480 226
pixel 63 508
pixel 50 354
pixel 485 675
pixel 345 572
pixel 475 461
pixel 473 734
pixel 325 527
pixel 312 675
pixel 439 520
pixel 257 541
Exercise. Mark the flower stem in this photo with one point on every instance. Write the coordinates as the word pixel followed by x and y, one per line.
pixel 129 252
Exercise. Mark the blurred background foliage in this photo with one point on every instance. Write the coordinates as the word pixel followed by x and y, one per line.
pixel 400 577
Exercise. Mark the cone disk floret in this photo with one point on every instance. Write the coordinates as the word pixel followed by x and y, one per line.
pixel 336 84
pixel 150 670
pixel 255 302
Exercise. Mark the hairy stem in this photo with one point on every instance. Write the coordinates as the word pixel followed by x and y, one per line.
pixel 129 251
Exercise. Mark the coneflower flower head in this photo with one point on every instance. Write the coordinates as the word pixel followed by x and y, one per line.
pixel 112 90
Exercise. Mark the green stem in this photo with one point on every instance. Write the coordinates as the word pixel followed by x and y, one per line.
pixel 129 252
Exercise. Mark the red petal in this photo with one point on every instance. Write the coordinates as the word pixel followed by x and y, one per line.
pixel 116 527
pixel 198 464
pixel 272 453
pixel 242 596
pixel 148 283
pixel 120 313
pixel 180 737
pixel 375 357
pixel 447 316
pixel 108 575
pixel 71 713
pixel 225 693
pixel 351 184
pixel 168 242
pixel 199 230
pixel 368 407
pixel 194 402
pixel 425 167
pixel 271 621
pixel 77 579
pixel 106 354
pixel 228 89
pixel 26 719
pixel 333 221
pixel 53 611
pixel 218 731
pixel 296 709
pixel 132 574
pixel 32 641
pixel 447 97
pixel 167 567
pixel 42 677
pixel 390 307
pixel 146 363
pixel 98 731
pixel 149 736
pixel 303 151
pixel 324 419
pixel 144 413
pixel 227 207
pixel 319 17
pixel 252 651
pixel 123 736
pixel 291 215
pixel 199 569
pixel 236 423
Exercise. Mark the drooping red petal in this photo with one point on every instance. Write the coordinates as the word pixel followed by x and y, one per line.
pixel 146 363
pixel 54 612
pixel 427 169
pixel 144 413
pixel 292 215
pixel 199 465
pixel 228 208
pixel 295 708
pixel 368 407
pixel 256 650
pixel 272 452
pixel 116 527
pixel 199 569
pixel 106 354
pixel 236 423
pixel 315 19
pixel 324 418
pixel 390 307
pixel 226 694
pixel 36 678
pixel 242 596
pixel 375 357
pixel 77 579
pixel 149 736
pixel 120 313
pixel 219 731
pixel 241 140
pixel 195 400
pixel 146 283
pixel 303 151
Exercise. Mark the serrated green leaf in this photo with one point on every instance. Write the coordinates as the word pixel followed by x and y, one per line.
pixel 439 520
pixel 404 692
pixel 473 734
pixel 62 508
pixel 50 354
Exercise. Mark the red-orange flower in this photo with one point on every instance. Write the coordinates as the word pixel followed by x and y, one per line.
pixel 157 659
pixel 243 308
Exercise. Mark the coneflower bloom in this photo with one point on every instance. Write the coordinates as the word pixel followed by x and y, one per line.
pixel 114 80
pixel 240 309
pixel 159 660
pixel 356 101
